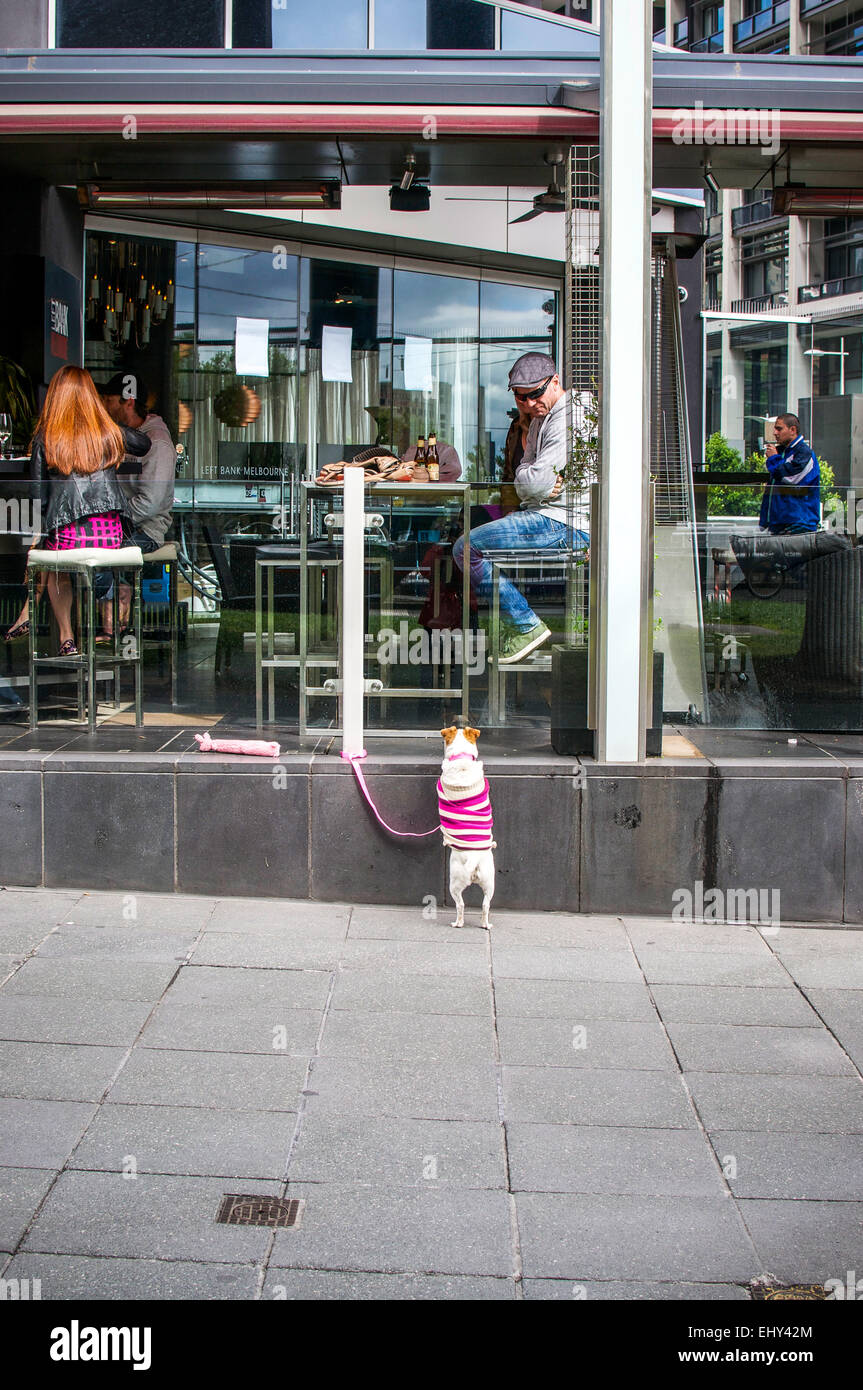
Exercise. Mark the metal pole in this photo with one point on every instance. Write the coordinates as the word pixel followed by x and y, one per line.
pixel 626 177
pixel 353 649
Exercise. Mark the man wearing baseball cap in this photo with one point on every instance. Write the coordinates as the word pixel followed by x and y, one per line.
pixel 540 522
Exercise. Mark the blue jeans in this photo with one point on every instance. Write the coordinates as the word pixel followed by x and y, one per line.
pixel 522 530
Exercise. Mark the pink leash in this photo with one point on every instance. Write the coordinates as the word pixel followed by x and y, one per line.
pixel 354 759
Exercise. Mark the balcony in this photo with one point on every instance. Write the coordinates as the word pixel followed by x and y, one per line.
pixel 681 34
pixel 713 306
pixel 750 213
pixel 810 7
pixel 711 43
pixel 757 26
pixel 760 304
pixel 828 289
pixel 713 225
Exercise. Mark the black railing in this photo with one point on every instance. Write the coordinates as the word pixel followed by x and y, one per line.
pixel 711 43
pixel 828 289
pixel 755 25
pixel 759 303
pixel 750 213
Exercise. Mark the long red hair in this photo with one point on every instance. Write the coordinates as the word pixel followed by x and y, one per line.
pixel 78 435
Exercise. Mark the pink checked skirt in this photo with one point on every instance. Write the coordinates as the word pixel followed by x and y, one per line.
pixel 104 532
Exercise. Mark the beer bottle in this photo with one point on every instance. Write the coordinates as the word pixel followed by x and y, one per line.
pixel 421 449
pixel 432 460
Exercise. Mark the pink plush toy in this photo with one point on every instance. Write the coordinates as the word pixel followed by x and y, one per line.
pixel 237 745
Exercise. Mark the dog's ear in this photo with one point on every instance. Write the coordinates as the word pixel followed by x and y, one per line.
pixel 448 735
pixel 471 734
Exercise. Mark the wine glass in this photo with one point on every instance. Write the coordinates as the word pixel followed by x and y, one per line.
pixel 5 432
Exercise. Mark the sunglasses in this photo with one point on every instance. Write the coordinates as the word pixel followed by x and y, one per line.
pixel 533 395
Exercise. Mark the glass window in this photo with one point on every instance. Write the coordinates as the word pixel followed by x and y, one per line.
pixel 400 24
pixel 460 24
pixel 297 25
pixel 444 310
pixel 514 319
pixel 523 32
pixel 158 24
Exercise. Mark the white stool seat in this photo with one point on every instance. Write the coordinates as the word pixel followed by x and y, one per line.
pixel 87 558
pixel 165 555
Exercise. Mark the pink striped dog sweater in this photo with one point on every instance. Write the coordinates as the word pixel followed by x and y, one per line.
pixel 465 816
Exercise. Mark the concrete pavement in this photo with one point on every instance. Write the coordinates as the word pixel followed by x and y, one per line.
pixel 567 1107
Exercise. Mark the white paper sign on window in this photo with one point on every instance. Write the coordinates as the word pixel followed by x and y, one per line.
pixel 250 347
pixel 418 364
pixel 336 353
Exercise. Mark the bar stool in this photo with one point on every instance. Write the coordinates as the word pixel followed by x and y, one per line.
pixel 84 563
pixel 167 555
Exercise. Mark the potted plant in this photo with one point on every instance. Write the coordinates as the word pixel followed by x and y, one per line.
pixel 18 400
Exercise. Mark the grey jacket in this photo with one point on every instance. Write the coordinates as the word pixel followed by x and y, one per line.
pixel 150 496
pixel 544 458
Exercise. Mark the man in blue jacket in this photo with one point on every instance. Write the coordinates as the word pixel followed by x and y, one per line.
pixel 792 499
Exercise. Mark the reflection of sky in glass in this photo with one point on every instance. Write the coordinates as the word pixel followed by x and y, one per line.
pixel 515 311
pixel 521 33
pixel 435 306
pixel 335 24
pixel 234 282
pixel 400 24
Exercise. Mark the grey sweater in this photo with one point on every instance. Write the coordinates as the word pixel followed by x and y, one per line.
pixel 544 457
pixel 151 495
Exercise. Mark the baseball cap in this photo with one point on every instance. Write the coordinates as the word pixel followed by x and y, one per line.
pixel 127 385
pixel 531 370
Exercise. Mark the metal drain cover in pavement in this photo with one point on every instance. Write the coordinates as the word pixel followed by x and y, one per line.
pixel 772 1292
pixel 238 1209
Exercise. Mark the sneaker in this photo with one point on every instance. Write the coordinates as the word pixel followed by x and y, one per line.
pixel 518 645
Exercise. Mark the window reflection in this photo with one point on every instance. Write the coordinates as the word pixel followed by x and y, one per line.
pixel 158 24
pixel 400 24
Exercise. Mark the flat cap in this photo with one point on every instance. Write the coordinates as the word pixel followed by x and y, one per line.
pixel 531 370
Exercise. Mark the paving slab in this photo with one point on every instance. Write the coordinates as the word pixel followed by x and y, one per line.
pixel 571 999
pixel 75 1277
pixel 269 950
pixel 10 964
pixel 644 1238
pixel 21 938
pixel 278 914
pixel 574 1042
pixel 57 1071
pixel 593 1159
pixel 163 911
pixel 662 966
pixel 410 924
pixel 226 1080
pixel 45 1018
pixel 842 1011
pixel 426 1154
pixel 187 1140
pixel 727 1047
pixel 41 1133
pixel 803 1242
pixel 824 970
pixel 22 907
pixel 634 1292
pixel 820 1104
pixel 381 990
pixel 794 1166
pixel 419 1089
pixel 268 1029
pixel 578 1096
pixel 819 940
pixel 229 988
pixel 727 938
pixel 464 958
pixel 307 1285
pixel 558 929
pixel 392 1229
pixel 76 977
pixel 147 1216
pixel 734 1004
pixel 21 1191
pixel 127 943
pixel 561 963
pixel 425 1037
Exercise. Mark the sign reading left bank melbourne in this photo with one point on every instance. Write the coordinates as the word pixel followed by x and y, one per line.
pixel 62 335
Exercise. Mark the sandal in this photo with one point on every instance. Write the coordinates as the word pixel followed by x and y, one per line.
pixel 68 648
pixel 21 630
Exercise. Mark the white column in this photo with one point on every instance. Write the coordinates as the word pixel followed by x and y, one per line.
pixel 625 201
pixel 353 625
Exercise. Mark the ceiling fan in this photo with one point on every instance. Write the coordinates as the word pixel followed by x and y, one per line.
pixel 552 200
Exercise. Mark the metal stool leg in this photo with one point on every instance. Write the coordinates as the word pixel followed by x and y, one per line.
pixel 31 609
pixel 172 599
pixel 138 656
pixel 91 653
pixel 259 650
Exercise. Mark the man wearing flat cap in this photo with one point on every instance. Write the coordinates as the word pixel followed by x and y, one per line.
pixel 540 521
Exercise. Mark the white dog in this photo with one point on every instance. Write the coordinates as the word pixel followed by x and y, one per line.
pixel 465 820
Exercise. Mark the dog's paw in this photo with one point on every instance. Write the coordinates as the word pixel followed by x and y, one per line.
pixel 456 924
pixel 487 926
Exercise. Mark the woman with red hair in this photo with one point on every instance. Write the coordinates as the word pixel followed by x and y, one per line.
pixel 74 457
